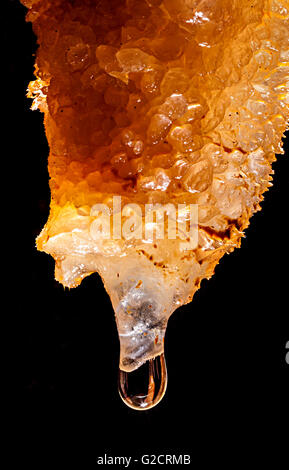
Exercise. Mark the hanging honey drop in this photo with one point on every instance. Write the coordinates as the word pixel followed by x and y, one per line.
pixel 144 387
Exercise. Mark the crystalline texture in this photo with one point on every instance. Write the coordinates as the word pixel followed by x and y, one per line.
pixel 181 101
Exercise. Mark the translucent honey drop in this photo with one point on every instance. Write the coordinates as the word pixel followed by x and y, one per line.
pixel 144 387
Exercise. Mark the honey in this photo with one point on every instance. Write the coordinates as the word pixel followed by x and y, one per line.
pixel 157 102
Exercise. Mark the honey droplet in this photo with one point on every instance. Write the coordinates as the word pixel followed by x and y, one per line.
pixel 144 387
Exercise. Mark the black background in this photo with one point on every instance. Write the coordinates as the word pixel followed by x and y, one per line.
pixel 228 378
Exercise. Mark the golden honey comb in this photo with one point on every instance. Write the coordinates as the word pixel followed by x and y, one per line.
pixel 156 102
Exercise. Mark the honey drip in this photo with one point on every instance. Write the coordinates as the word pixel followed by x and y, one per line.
pixel 144 388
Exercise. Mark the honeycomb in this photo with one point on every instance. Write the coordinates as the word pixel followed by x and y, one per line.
pixel 156 101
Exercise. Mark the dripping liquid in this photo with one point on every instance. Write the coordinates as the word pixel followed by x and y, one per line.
pixel 144 387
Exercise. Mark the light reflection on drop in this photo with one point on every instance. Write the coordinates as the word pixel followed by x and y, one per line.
pixel 144 387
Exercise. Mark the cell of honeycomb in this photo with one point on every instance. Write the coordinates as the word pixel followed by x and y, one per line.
pixel 156 102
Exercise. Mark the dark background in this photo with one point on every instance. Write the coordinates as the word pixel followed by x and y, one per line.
pixel 228 379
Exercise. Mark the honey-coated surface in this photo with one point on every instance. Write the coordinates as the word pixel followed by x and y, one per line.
pixel 180 101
